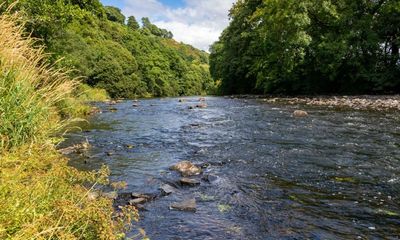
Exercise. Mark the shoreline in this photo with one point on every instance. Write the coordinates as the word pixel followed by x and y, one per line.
pixel 356 102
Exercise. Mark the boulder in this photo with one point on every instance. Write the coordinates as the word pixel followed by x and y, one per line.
pixel 186 168
pixel 167 189
pixel 300 113
pixel 187 205
pixel 189 181
pixel 135 105
pixel 202 99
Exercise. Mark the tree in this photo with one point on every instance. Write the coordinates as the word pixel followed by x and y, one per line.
pixel 114 14
pixel 132 23
pixel 309 47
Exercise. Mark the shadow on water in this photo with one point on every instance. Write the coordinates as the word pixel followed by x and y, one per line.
pixel 333 175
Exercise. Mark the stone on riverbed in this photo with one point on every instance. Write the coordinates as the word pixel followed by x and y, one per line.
pixel 189 181
pixel 167 189
pixel 210 178
pixel 141 195
pixel 137 201
pixel 203 105
pixel 186 168
pixel 187 205
pixel 78 148
pixel 300 113
pixel 110 195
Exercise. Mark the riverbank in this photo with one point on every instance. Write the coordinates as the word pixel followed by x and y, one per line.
pixel 361 102
pixel 41 196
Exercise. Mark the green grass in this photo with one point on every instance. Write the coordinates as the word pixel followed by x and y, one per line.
pixel 41 197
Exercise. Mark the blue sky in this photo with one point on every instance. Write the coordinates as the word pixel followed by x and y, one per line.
pixel 196 22
pixel 120 4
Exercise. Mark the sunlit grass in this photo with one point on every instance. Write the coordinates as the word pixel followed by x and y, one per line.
pixel 30 89
pixel 41 197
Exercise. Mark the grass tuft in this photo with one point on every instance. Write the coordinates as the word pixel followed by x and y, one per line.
pixel 30 89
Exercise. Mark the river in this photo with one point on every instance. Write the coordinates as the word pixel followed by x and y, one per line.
pixel 332 175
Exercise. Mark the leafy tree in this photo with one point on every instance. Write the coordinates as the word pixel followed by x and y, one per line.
pixel 123 59
pixel 114 14
pixel 153 29
pixel 132 23
pixel 310 46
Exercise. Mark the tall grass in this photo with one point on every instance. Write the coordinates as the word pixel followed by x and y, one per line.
pixel 41 197
pixel 30 89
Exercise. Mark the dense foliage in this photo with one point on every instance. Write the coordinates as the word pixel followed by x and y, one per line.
pixel 310 47
pixel 125 59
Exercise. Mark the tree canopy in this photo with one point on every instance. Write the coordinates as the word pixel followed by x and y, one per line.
pixel 309 47
pixel 124 58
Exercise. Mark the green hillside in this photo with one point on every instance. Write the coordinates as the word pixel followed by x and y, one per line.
pixel 113 52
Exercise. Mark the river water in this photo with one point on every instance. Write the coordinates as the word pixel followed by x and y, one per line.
pixel 332 175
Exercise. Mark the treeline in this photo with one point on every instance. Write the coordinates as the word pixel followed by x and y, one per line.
pixel 309 47
pixel 113 52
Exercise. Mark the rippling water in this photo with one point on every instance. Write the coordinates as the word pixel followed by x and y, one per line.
pixel 333 175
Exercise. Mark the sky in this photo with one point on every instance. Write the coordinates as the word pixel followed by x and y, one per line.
pixel 195 22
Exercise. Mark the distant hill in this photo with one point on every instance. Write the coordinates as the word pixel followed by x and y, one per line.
pixel 115 53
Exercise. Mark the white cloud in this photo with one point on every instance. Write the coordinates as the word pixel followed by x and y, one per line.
pixel 199 22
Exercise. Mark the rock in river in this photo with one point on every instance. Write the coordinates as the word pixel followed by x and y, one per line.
pixel 186 168
pixel 187 205
pixel 137 201
pixel 300 113
pixel 167 189
pixel 110 195
pixel 210 178
pixel 189 181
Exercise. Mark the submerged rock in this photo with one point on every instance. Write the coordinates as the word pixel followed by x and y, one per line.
pixel 186 168
pixel 210 178
pixel 141 195
pixel 187 205
pixel 300 113
pixel 202 105
pixel 189 181
pixel 135 105
pixel 109 154
pixel 202 99
pixel 167 189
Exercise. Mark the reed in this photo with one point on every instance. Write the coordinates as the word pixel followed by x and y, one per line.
pixel 30 89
